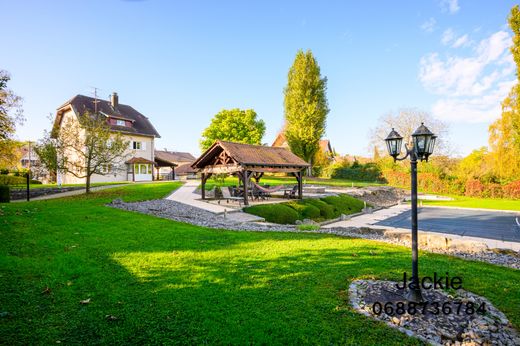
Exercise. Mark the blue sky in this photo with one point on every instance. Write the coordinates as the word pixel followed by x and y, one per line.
pixel 179 63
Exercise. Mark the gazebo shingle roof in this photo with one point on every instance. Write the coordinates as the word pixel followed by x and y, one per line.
pixel 251 156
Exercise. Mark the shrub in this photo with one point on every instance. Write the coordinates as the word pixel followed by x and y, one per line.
pixel 512 190
pixel 304 210
pixel 277 213
pixel 4 194
pixel 312 208
pixel 4 171
pixel 13 180
pixel 474 188
pixel 326 210
pixel 492 190
pixel 344 204
pixel 308 227
pixel 354 172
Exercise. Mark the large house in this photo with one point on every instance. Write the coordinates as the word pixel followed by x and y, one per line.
pixel 138 161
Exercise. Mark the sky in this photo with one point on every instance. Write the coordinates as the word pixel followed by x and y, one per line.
pixel 181 62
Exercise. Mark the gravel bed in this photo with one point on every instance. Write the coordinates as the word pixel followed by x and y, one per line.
pixel 185 213
pixel 459 318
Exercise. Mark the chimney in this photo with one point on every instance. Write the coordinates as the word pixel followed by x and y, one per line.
pixel 114 100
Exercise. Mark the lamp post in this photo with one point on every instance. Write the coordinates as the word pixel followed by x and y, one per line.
pixel 423 142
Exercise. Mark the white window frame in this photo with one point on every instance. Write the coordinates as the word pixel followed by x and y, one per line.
pixel 120 122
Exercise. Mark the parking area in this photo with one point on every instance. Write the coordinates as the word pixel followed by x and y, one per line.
pixel 488 224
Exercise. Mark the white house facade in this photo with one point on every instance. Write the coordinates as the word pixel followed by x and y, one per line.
pixel 137 163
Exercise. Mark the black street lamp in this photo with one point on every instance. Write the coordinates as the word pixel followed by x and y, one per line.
pixel 423 142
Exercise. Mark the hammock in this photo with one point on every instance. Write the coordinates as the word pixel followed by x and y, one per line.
pixel 269 190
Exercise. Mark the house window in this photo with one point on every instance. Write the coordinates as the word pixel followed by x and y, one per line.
pixel 136 145
pixel 142 169
pixel 120 122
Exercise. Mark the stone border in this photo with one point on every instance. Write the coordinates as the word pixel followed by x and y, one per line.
pixel 491 328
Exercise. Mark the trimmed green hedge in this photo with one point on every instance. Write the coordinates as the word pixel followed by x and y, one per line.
pixel 277 213
pixel 12 180
pixel 321 209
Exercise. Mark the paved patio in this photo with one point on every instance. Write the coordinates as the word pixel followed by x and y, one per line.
pixel 186 194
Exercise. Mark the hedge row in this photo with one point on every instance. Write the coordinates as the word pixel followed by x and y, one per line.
pixel 315 209
pixel 366 172
pixel 13 180
pixel 432 183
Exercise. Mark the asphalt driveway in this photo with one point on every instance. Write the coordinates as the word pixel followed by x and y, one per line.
pixel 464 222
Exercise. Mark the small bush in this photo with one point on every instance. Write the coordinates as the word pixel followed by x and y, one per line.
pixel 13 180
pixel 474 188
pixel 4 171
pixel 492 190
pixel 4 194
pixel 307 227
pixel 326 210
pixel 277 213
pixel 512 190
pixel 315 209
pixel 304 210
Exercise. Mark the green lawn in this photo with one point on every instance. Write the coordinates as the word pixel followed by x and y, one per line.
pixel 166 282
pixel 275 180
pixel 472 202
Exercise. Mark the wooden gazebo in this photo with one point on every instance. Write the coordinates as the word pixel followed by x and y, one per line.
pixel 248 161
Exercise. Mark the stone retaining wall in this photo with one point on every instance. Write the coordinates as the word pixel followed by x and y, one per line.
pixel 17 194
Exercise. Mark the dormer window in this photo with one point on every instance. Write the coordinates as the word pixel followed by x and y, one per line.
pixel 120 122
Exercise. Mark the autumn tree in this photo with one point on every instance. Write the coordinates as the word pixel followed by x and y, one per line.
pixel 83 147
pixel 234 125
pixel 504 133
pixel 305 106
pixel 11 115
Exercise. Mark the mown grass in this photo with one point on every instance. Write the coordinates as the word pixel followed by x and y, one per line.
pixel 277 180
pixel 316 209
pixel 473 202
pixel 164 282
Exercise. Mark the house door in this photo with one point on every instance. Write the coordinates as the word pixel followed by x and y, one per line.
pixel 142 172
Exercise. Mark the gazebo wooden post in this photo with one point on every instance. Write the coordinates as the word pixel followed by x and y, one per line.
pixel 245 180
pixel 300 185
pixel 203 186
pixel 173 172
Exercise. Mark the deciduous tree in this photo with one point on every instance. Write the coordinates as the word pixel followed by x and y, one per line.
pixel 406 121
pixel 84 147
pixel 11 115
pixel 235 125
pixel 306 106
pixel 504 133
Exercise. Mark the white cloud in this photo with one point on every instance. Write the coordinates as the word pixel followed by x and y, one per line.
pixel 461 41
pixel 450 6
pixel 447 36
pixel 472 87
pixel 429 25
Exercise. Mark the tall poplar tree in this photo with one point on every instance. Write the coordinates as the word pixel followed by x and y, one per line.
pixel 306 106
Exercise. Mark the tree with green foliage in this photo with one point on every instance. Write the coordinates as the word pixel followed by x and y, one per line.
pixel 11 115
pixel 84 147
pixel 504 133
pixel 234 125
pixel 306 106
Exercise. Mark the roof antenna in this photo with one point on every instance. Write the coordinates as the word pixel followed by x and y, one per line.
pixel 96 101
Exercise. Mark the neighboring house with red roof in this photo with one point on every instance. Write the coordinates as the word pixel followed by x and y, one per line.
pixel 174 165
pixel 138 161
pixel 326 148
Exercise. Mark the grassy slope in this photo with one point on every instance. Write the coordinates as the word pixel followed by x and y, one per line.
pixel 471 202
pixel 168 282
